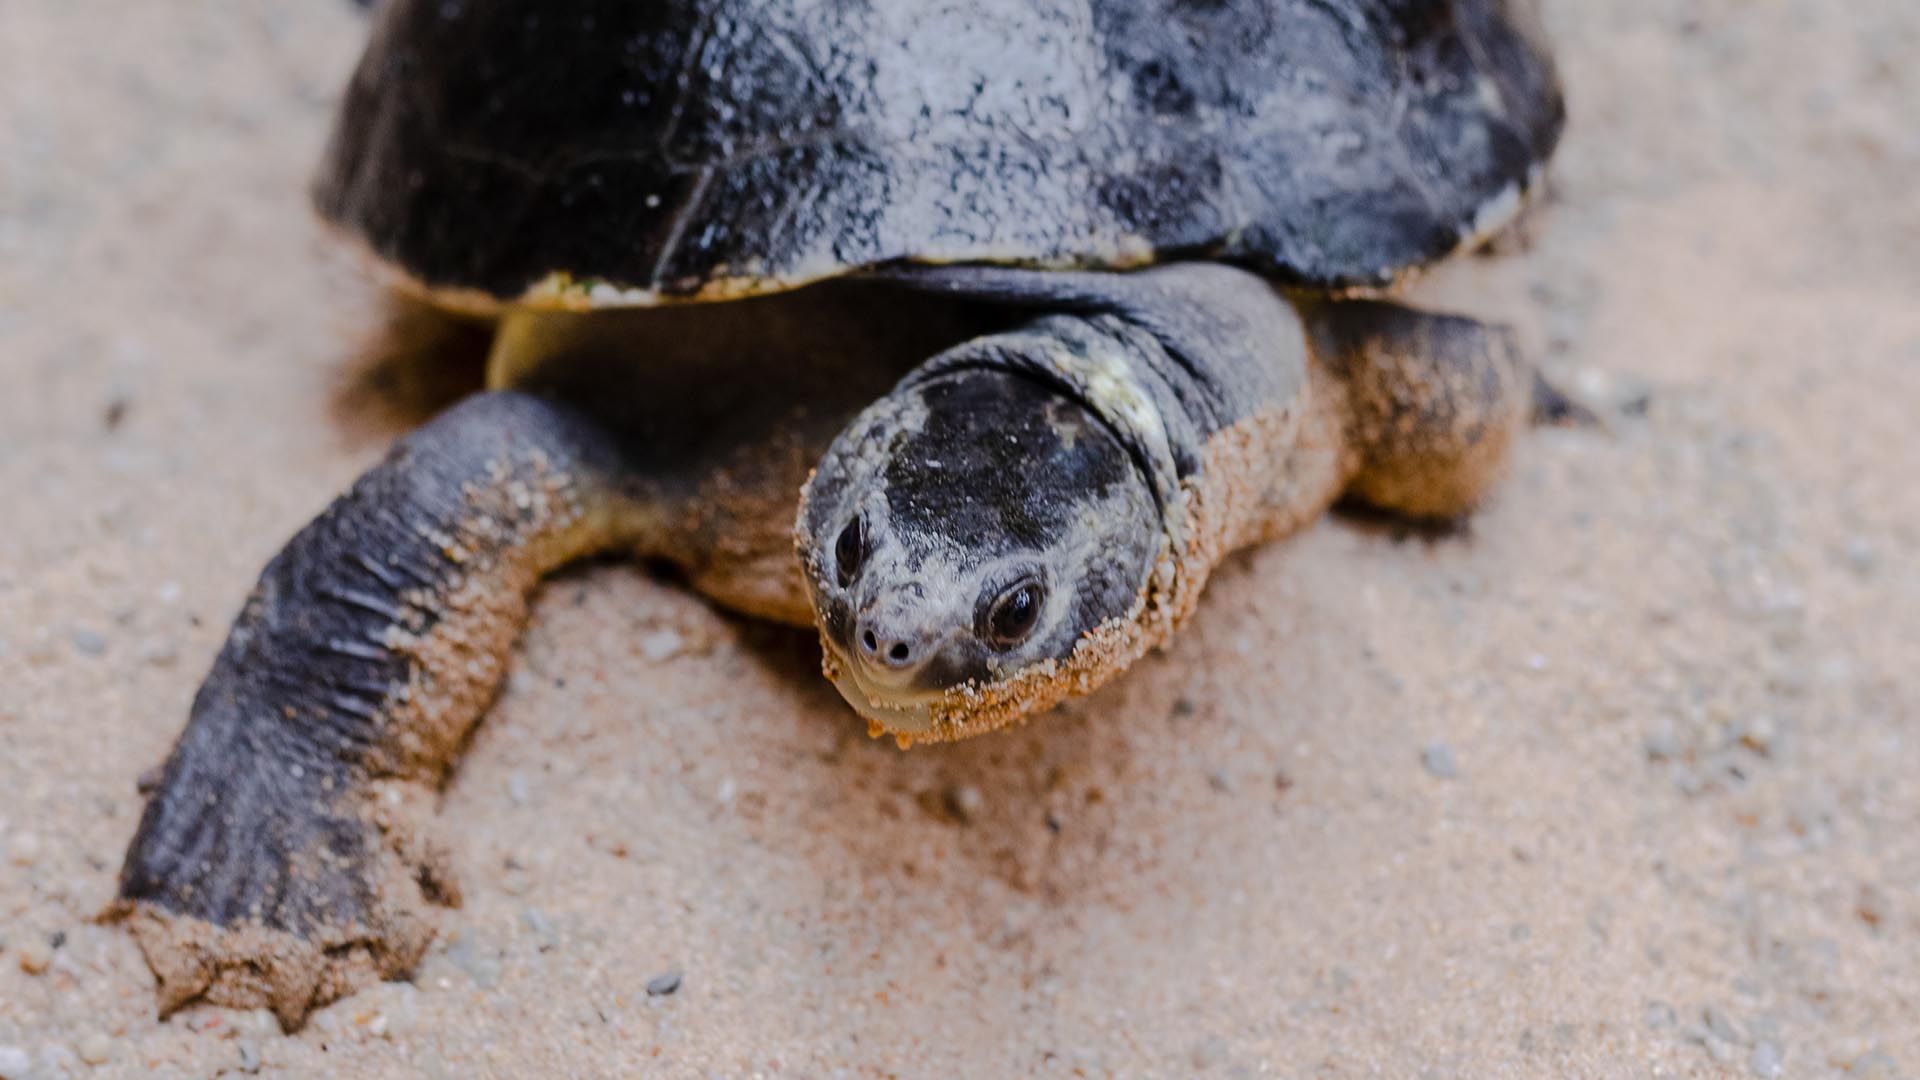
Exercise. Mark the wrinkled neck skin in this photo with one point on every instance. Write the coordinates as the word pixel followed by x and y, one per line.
pixel 1206 432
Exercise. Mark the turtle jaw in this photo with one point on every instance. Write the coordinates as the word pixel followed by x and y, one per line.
pixel 902 712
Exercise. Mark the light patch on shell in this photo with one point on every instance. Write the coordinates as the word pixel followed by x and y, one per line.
pixel 1500 211
pixel 1494 214
pixel 562 291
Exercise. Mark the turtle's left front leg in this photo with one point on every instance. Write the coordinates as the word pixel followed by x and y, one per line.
pixel 1432 403
pixel 286 858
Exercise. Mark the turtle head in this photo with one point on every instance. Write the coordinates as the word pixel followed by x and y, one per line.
pixel 976 545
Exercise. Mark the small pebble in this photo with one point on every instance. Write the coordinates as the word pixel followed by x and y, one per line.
pixel 543 930
pixel 249 1056
pixel 516 883
pixel 662 985
pixel 1600 921
pixel 481 964
pixel 1871 906
pixel 1875 1065
pixel 88 641
pixel 1722 1026
pixel 1439 761
pixel 34 956
pixel 1689 781
pixel 398 1017
pixel 1210 1054
pixel 1758 734
pixel 115 412
pixel 1220 780
pixel 517 789
pixel 1662 745
pixel 965 802
pixel 1860 555
pixel 24 849
pixel 95 1048
pixel 1765 1061
pixel 14 1063
pixel 1660 1015
pixel 661 645
pixel 157 653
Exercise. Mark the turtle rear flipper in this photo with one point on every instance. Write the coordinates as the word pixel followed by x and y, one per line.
pixel 283 860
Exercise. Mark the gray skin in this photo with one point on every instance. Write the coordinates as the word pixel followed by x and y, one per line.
pixel 989 487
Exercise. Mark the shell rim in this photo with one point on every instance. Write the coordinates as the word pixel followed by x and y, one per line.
pixel 561 290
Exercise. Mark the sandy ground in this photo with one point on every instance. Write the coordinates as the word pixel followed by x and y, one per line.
pixel 1620 783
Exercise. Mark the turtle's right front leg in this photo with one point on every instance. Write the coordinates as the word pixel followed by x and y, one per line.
pixel 285 858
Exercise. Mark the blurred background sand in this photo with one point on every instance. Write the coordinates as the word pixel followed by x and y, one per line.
pixel 1622 782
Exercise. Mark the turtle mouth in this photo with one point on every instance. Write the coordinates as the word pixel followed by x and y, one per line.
pixel 898 708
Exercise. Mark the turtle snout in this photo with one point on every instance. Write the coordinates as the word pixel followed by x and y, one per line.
pixel 890 647
pixel 894 639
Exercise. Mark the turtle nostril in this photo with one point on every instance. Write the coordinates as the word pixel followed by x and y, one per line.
pixel 884 648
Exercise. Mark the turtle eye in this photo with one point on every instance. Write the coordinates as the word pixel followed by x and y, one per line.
pixel 1013 614
pixel 849 552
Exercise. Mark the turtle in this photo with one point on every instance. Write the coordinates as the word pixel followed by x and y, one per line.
pixel 973 334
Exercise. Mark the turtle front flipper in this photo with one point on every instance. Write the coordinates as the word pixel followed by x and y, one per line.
pixel 1434 402
pixel 286 857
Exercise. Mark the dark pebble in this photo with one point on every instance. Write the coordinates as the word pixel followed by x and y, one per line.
pixel 662 985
